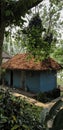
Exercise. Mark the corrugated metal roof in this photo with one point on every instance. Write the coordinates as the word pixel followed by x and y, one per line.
pixel 21 62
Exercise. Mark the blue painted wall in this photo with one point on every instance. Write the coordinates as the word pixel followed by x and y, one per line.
pixel 48 80
pixel 31 79
pixel 34 81
pixel 16 79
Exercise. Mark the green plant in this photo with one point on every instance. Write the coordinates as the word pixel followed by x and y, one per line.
pixel 48 96
pixel 18 114
pixel 42 97
pixel 36 44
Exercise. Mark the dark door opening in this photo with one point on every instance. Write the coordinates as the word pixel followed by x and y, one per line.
pixel 11 78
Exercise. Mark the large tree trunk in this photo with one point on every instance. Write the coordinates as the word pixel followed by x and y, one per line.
pixel 2 29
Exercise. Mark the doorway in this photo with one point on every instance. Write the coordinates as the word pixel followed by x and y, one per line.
pixel 11 78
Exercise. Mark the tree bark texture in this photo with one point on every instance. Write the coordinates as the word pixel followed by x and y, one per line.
pixel 2 29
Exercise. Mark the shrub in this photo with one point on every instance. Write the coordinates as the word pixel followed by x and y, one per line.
pixel 18 114
pixel 48 96
pixel 42 97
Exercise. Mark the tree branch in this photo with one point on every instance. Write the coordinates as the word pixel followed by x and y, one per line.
pixel 19 8
pixel 29 3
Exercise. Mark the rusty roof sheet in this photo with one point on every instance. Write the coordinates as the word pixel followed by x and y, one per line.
pixel 21 62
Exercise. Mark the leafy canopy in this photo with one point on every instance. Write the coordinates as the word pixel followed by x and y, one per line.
pixel 38 43
pixel 14 9
pixel 46 32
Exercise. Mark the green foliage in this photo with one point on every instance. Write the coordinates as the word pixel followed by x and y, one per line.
pixel 39 46
pixel 42 97
pixel 58 53
pixel 18 114
pixel 60 78
pixel 15 9
pixel 41 33
pixel 36 22
pixel 11 12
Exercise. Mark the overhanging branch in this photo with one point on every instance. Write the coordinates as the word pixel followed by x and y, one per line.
pixel 19 8
pixel 28 3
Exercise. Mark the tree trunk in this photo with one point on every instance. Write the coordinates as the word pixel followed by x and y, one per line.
pixel 1 40
pixel 2 29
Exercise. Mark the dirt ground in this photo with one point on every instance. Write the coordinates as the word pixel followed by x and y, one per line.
pixel 28 96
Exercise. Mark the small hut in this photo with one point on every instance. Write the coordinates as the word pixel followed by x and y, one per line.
pixel 29 75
